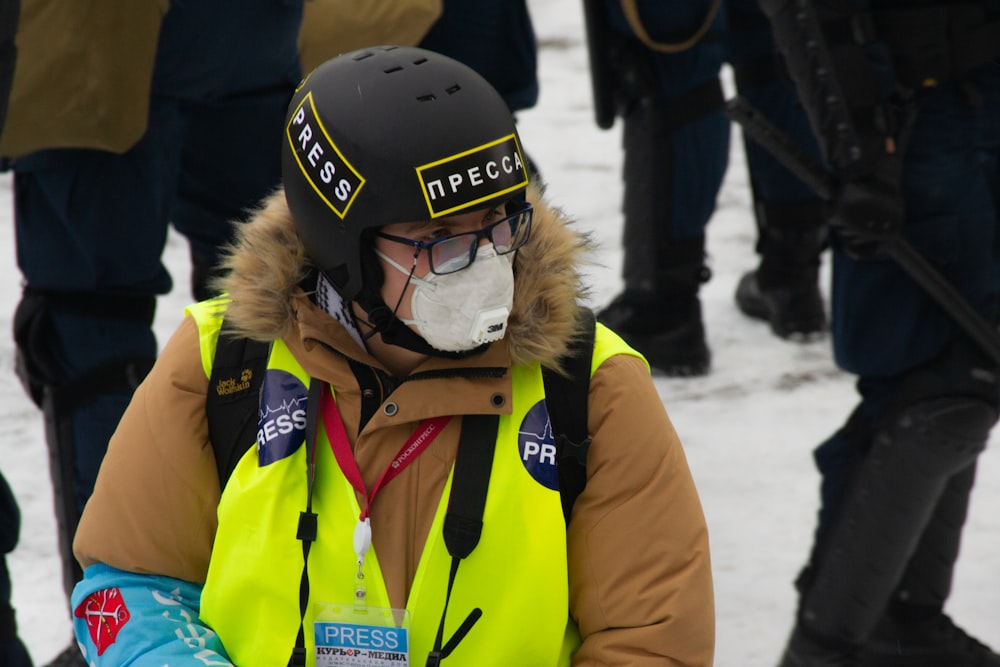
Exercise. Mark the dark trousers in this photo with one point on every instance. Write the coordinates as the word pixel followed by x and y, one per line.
pixel 885 327
pixel 740 35
pixel 95 223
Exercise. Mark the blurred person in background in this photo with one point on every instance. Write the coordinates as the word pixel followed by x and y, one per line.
pixel 657 65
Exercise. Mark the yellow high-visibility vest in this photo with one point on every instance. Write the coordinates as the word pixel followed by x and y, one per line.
pixel 517 574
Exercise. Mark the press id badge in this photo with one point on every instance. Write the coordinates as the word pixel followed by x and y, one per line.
pixel 348 636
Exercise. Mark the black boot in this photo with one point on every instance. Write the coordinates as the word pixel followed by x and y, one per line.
pixel 662 320
pixel 804 650
pixel 673 343
pixel 784 289
pixel 659 313
pixel 915 632
pixel 924 638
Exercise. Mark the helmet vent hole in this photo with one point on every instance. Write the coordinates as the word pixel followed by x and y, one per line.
pixel 420 61
pixel 397 68
pixel 451 90
pixel 429 97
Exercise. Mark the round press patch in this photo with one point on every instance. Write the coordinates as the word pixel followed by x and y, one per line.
pixel 538 447
pixel 281 428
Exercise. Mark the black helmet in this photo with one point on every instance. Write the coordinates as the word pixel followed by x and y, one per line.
pixel 392 134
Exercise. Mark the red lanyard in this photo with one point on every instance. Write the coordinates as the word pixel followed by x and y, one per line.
pixel 341 446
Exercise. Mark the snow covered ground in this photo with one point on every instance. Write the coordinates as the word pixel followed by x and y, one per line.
pixel 749 428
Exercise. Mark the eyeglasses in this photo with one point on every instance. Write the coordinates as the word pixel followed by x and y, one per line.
pixel 454 253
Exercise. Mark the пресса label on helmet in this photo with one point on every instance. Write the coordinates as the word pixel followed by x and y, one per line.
pixel 477 175
pixel 325 168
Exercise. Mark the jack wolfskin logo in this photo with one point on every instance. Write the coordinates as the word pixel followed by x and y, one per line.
pixel 230 386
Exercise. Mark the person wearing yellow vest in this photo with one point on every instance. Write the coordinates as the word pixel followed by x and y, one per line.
pixel 400 505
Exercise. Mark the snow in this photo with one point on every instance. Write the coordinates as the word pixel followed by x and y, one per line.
pixel 748 428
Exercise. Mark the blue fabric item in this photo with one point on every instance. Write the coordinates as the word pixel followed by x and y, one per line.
pixel 883 323
pixel 495 38
pixel 703 141
pixel 162 627
pixel 749 40
pixel 739 34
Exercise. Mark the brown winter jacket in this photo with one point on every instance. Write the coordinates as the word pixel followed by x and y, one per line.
pixel 640 575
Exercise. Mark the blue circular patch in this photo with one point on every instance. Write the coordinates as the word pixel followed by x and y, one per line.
pixel 538 446
pixel 281 428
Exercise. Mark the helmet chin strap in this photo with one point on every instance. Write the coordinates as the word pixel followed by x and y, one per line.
pixel 383 320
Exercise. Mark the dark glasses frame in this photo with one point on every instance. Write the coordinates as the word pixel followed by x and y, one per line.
pixel 518 219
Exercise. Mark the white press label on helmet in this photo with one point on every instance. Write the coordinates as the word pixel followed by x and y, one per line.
pixel 489 325
pixel 325 168
pixel 477 175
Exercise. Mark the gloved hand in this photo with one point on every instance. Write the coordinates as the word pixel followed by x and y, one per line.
pixel 868 211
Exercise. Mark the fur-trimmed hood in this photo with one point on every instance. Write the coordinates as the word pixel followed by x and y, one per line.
pixel 266 264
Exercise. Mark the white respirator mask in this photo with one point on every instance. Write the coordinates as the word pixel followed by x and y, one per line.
pixel 460 311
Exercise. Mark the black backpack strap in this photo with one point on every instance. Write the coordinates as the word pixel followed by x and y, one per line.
pixel 233 401
pixel 566 401
pixel 308 523
pixel 463 522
